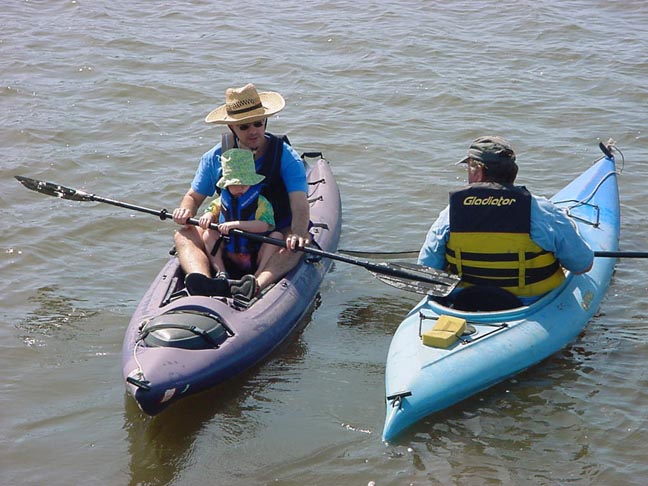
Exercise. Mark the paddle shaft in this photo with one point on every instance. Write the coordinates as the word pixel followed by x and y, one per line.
pixel 414 254
pixel 381 268
pixel 621 254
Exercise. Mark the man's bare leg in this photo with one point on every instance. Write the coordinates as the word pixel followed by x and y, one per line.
pixel 280 264
pixel 191 251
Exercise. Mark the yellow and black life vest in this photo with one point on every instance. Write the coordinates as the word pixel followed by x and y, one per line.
pixel 490 241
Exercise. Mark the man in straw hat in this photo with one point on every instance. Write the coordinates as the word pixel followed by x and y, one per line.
pixel 508 246
pixel 246 113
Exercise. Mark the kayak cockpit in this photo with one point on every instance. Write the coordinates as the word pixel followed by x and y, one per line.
pixel 491 300
pixel 176 290
pixel 481 298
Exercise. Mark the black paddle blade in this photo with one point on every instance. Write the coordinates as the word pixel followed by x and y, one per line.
pixel 55 190
pixel 446 282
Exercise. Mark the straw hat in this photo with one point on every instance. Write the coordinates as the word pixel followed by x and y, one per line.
pixel 245 105
pixel 238 169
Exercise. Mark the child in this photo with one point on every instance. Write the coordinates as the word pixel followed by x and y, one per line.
pixel 239 206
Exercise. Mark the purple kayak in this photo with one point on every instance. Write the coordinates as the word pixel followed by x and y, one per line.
pixel 177 345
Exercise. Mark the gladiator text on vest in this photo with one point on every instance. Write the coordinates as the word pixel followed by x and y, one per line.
pixel 488 201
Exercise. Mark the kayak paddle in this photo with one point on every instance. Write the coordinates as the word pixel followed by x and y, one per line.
pixel 416 278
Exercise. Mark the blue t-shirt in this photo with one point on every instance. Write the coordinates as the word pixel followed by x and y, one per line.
pixel 209 170
pixel 551 229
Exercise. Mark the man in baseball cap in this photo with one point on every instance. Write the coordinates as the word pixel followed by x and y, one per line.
pixel 508 246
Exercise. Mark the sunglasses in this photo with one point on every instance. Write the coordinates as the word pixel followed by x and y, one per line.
pixel 256 124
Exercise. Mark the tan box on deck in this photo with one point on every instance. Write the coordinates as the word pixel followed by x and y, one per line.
pixel 445 332
pixel 438 339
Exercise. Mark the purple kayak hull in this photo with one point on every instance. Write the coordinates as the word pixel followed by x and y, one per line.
pixel 157 376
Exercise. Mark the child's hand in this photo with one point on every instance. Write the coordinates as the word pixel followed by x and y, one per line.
pixel 205 220
pixel 228 225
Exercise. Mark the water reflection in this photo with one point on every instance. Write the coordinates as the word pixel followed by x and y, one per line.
pixel 55 315
pixel 162 446
pixel 373 314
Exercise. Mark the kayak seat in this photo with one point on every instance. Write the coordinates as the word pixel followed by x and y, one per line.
pixel 244 289
pixel 484 298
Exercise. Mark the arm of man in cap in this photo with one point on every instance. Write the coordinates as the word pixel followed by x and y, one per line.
pixel 432 253
pixel 554 231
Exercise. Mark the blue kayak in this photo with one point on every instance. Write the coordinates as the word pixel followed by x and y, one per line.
pixel 425 374
pixel 177 345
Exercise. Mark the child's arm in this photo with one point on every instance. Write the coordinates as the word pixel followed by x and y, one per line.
pixel 210 214
pixel 263 220
pixel 255 226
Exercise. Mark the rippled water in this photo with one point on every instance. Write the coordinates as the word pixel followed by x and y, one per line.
pixel 110 97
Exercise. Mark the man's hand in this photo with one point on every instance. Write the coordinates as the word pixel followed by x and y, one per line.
pixel 181 215
pixel 294 241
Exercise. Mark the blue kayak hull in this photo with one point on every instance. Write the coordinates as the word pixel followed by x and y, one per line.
pixel 421 380
pixel 159 375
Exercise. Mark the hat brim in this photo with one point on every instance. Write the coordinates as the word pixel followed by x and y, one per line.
pixel 272 103
pixel 252 181
pixel 464 160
